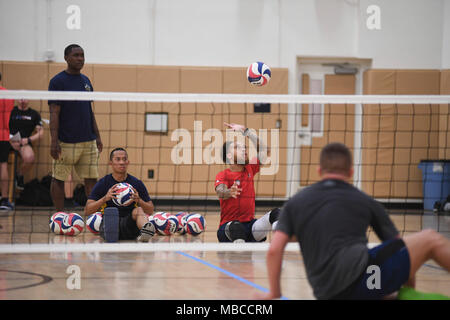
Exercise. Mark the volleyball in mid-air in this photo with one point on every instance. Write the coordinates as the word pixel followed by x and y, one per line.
pixel 258 73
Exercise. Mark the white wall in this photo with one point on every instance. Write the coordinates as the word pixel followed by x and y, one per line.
pixel 410 35
pixel 446 35
pixel 414 33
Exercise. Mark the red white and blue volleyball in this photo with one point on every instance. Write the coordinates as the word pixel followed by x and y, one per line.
pixel 195 224
pixel 181 217
pixel 258 74
pixel 124 191
pixel 166 224
pixel 69 224
pixel 93 222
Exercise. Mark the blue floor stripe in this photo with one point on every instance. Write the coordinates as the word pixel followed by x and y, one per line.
pixel 228 273
pixel 434 267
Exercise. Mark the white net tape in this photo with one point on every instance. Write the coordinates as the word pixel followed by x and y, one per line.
pixel 223 98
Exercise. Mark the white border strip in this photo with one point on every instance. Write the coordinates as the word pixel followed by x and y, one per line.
pixel 223 98
pixel 140 247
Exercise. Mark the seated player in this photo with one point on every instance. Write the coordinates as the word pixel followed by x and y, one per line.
pixel 330 219
pixel 236 191
pixel 133 221
pixel 25 120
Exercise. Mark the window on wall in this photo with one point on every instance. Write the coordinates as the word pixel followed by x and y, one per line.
pixel 156 122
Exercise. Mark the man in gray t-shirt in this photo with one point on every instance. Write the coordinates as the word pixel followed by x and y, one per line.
pixel 330 219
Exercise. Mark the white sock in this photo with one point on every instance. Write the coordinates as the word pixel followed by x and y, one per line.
pixel 261 227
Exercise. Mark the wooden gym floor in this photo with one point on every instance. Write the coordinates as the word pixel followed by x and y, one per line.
pixel 175 275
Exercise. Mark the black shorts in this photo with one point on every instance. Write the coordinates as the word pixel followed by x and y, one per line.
pixel 391 259
pixel 127 228
pixel 5 148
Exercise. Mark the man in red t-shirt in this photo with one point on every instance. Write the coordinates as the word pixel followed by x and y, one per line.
pixel 236 191
pixel 6 106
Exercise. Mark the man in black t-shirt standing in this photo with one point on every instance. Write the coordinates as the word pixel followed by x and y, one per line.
pixel 330 219
pixel 28 123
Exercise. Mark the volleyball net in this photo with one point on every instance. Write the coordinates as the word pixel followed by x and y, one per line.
pixel 400 146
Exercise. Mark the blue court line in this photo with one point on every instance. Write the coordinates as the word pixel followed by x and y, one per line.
pixel 228 273
pixel 434 267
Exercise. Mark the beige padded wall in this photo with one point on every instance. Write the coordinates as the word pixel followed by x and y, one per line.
pixel 397 137
pixel 157 147
pixel 122 124
pixel 378 134
pixel 444 118
pixel 338 126
pixel 305 107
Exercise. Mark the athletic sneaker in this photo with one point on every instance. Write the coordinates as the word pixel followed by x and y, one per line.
pixel 274 215
pixel 147 232
pixel 6 205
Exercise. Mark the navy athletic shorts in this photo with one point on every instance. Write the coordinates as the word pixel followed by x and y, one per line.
pixel 392 259
pixel 222 237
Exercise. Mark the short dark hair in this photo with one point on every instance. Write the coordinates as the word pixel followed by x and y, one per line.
pixel 111 155
pixel 225 148
pixel 336 158
pixel 69 48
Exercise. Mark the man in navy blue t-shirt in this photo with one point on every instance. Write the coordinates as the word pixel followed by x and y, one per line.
pixel 75 139
pixel 133 220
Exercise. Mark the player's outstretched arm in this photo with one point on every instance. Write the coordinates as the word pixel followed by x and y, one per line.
pixel 274 261
pixel 263 149
pixel 93 206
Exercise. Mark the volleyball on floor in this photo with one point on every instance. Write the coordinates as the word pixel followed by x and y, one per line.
pixel 181 217
pixel 258 73
pixel 195 224
pixel 123 197
pixel 166 224
pixel 69 224
pixel 93 222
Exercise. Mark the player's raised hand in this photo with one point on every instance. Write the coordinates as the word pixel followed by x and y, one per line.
pixel 235 126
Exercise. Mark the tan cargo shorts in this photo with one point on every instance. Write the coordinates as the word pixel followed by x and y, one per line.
pixel 82 156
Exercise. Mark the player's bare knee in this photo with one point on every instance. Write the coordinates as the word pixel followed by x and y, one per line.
pixel 136 213
pixel 433 238
pixel 28 159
